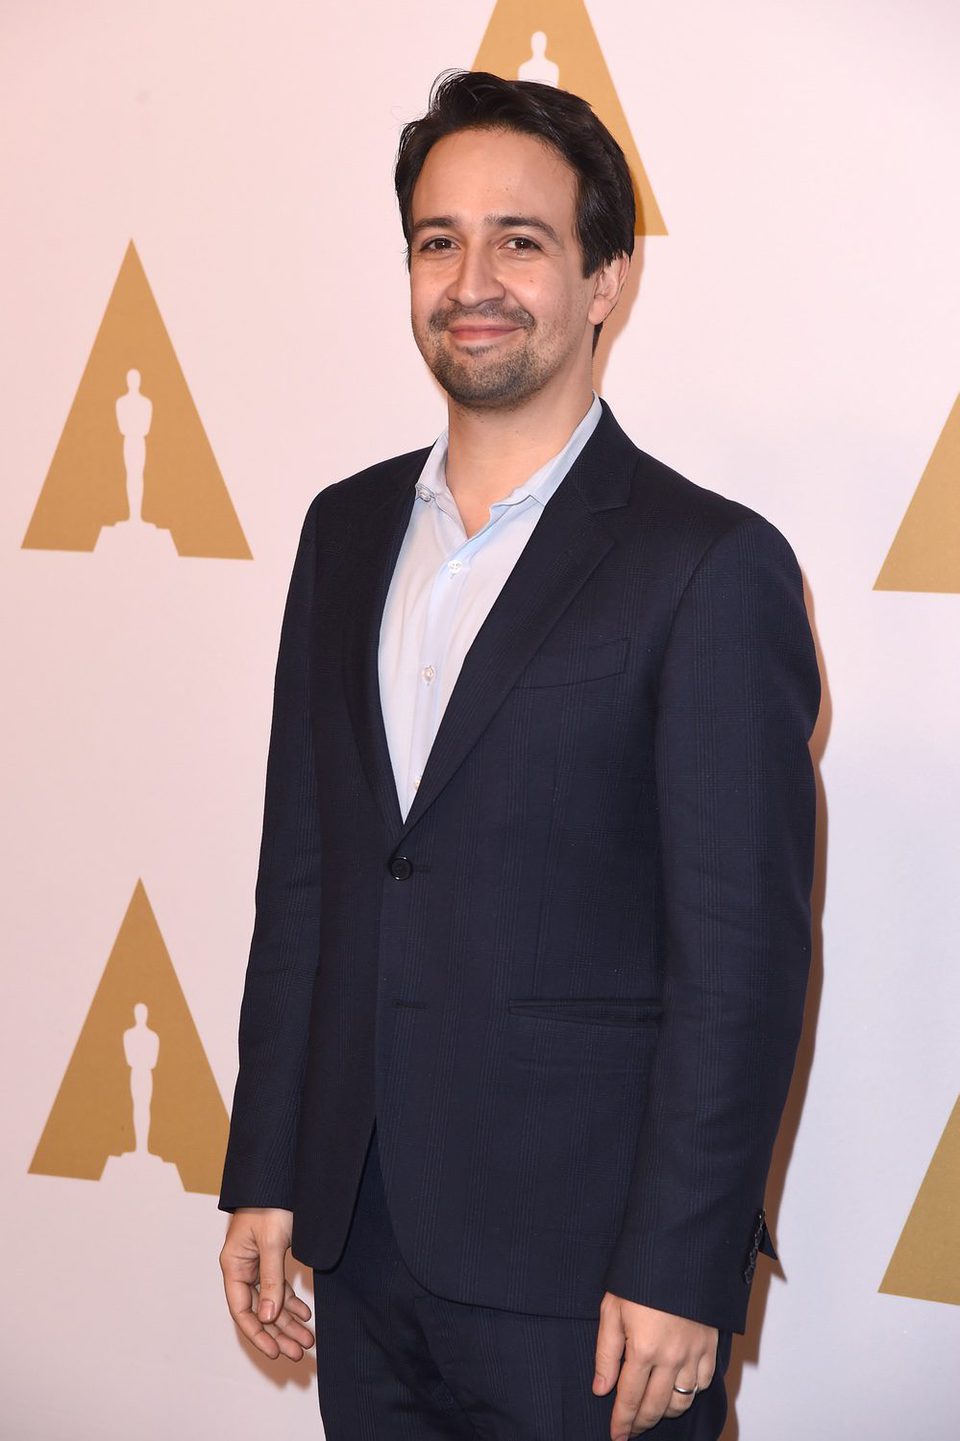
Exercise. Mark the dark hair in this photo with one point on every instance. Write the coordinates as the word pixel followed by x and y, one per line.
pixel 476 100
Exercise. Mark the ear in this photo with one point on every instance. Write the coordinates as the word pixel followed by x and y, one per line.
pixel 607 282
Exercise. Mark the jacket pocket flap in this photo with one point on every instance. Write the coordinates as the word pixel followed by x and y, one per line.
pixel 606 658
pixel 602 1012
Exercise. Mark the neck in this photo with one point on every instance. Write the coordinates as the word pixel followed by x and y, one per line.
pixel 491 452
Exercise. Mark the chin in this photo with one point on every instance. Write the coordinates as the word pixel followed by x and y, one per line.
pixel 503 387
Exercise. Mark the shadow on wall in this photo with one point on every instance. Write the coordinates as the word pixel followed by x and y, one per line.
pixel 746 1348
pixel 618 320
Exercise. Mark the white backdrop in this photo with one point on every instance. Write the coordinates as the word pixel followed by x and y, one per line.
pixel 793 342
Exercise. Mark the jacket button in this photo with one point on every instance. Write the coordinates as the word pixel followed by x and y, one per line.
pixel 401 869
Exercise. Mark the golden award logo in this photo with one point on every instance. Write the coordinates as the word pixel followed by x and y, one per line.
pixel 926 1262
pixel 925 554
pixel 138 1101
pixel 556 44
pixel 134 470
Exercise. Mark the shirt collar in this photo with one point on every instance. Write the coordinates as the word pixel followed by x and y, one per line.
pixel 541 485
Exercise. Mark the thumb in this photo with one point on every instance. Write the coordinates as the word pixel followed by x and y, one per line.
pixel 273 1252
pixel 610 1342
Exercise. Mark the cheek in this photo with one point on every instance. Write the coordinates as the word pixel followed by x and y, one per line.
pixel 422 306
pixel 426 288
pixel 562 314
pixel 547 303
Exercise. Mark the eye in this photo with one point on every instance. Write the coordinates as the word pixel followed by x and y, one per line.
pixel 437 242
pixel 523 242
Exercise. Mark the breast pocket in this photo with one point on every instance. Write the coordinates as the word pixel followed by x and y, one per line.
pixel 569 667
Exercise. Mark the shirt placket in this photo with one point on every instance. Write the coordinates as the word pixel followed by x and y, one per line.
pixel 446 597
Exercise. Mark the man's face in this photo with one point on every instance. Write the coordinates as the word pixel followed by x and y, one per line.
pixel 499 303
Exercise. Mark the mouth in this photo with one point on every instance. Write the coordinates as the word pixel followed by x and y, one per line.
pixel 473 334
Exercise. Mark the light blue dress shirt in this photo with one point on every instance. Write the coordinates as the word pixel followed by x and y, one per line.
pixel 442 588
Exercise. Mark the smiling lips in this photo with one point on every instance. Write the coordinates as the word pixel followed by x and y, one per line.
pixel 473 333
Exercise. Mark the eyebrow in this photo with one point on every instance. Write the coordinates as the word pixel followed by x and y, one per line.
pixel 494 222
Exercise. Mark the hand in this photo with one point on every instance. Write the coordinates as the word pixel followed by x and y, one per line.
pixel 659 1351
pixel 261 1299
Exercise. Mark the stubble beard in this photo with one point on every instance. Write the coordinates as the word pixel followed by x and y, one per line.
pixel 480 382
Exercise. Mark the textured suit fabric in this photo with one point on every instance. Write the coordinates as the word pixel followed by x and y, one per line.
pixel 569 985
pixel 397 1363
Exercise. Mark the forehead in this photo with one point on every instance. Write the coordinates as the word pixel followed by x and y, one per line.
pixel 485 172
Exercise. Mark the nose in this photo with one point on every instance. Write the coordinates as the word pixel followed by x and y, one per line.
pixel 475 278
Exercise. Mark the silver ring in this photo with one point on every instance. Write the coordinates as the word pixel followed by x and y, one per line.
pixel 686 1390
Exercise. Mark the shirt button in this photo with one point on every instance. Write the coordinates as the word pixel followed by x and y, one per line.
pixel 454 566
pixel 428 673
pixel 424 492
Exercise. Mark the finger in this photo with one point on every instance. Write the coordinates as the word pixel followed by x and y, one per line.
pixel 291 1326
pixel 681 1401
pixel 237 1289
pixel 704 1367
pixel 631 1389
pixel 707 1367
pixel 610 1342
pixel 657 1397
pixel 290 1338
pixel 273 1283
pixel 241 1297
pixel 295 1332
pixel 295 1306
pixel 286 1345
pixel 251 1326
pixel 292 1316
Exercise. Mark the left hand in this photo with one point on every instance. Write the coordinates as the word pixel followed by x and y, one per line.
pixel 261 1299
pixel 659 1351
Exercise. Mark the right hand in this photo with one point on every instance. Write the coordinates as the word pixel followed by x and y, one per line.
pixel 261 1300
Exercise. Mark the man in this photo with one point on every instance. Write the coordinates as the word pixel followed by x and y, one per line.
pixel 533 928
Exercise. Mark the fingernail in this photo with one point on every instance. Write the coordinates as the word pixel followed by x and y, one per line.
pixel 265 1311
pixel 598 1379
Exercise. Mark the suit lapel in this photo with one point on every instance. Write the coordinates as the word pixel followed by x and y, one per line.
pixel 569 541
pixel 381 531
pixel 566 546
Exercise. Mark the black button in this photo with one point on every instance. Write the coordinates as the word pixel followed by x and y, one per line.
pixel 401 869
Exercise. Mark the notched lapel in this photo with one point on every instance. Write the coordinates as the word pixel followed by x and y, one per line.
pixel 566 546
pixel 569 541
pixel 381 534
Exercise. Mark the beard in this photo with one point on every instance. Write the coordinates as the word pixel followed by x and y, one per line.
pixel 492 381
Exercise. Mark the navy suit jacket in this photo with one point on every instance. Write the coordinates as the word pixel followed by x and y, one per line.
pixel 569 986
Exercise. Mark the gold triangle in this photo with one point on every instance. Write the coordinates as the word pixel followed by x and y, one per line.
pixel 926 1262
pixel 925 554
pixel 92 1117
pixel 86 485
pixel 572 46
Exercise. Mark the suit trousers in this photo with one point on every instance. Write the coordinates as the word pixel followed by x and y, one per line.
pixel 397 1363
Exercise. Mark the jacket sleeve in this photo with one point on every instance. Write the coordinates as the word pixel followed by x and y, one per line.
pixel 739 694
pixel 274 1015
